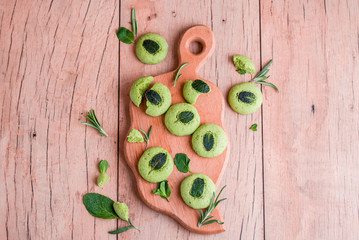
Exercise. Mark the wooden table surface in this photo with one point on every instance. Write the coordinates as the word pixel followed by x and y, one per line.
pixel 297 177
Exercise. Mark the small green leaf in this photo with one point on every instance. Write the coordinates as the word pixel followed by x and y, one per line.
pixel 125 35
pixel 254 127
pixel 151 46
pixel 121 230
pixel 153 97
pixel 185 116
pixel 178 75
pixel 103 165
pixel 267 84
pixel 182 162
pixel 246 97
pixel 208 141
pixel 163 190
pixel 201 86
pixel 197 187
pixel 158 161
pixel 99 206
pixel 134 21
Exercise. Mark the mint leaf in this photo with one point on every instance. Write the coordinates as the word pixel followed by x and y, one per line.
pixel 163 190
pixel 125 35
pixel 103 165
pixel 253 127
pixel 99 206
pixel 182 162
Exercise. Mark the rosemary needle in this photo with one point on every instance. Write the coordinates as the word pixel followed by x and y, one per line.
pixel 91 117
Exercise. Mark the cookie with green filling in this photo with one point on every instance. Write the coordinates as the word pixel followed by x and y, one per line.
pixel 197 190
pixel 243 64
pixel 151 48
pixel 135 136
pixel 245 98
pixel 192 89
pixel 158 100
pixel 209 140
pixel 138 88
pixel 155 165
pixel 182 119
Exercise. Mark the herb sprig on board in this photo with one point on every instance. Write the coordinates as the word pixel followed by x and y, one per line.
pixel 178 75
pixel 147 135
pixel 91 117
pixel 261 76
pixel 163 190
pixel 205 216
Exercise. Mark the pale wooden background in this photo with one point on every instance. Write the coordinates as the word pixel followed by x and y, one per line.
pixel 296 178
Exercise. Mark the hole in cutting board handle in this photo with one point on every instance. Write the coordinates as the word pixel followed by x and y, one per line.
pixel 196 47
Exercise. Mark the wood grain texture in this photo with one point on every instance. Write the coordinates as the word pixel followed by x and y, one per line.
pixel 310 128
pixel 161 137
pixel 58 60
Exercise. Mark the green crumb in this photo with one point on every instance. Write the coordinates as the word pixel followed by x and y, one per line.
pixel 135 136
pixel 243 64
pixel 121 210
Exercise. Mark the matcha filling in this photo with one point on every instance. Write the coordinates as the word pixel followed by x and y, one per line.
pixel 246 97
pixel 151 46
pixel 197 187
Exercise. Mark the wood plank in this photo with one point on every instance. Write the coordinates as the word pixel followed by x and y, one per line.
pixel 243 210
pixel 58 60
pixel 311 127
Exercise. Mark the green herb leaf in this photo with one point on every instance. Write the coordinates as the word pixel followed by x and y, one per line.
pixel 182 162
pixel 163 190
pixel 178 75
pixel 99 206
pixel 261 76
pixel 208 141
pixel 197 187
pixel 254 127
pixel 103 165
pixel 124 229
pixel 204 218
pixel 125 35
pixel 91 117
pixel 151 46
pixel 147 136
pixel 153 97
pixel 201 86
pixel 134 21
pixel 185 116
pixel 158 161
pixel 246 97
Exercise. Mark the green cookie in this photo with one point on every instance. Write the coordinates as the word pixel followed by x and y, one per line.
pixel 209 140
pixel 155 164
pixel 197 190
pixel 191 90
pixel 245 98
pixel 158 100
pixel 138 88
pixel 182 119
pixel 151 48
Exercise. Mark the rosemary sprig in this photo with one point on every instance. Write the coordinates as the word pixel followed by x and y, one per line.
pixel 94 122
pixel 205 217
pixel 134 22
pixel 147 136
pixel 178 75
pixel 261 76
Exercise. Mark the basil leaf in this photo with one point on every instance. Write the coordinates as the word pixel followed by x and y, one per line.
pixel 182 162
pixel 125 35
pixel 99 206
pixel 197 187
pixel 208 141
pixel 153 97
pixel 163 190
pixel 246 97
pixel 200 86
pixel 151 46
pixel 185 117
pixel 103 165
pixel 158 161
pixel 121 230
pixel 253 127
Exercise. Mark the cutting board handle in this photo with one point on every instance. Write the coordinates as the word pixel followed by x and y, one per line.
pixel 205 37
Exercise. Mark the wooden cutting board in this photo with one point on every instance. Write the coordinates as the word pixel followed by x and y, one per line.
pixel 211 110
